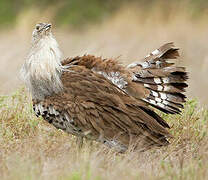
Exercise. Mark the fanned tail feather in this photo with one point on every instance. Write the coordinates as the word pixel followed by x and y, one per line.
pixel 166 83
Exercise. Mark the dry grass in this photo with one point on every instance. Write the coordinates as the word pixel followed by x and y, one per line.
pixel 33 149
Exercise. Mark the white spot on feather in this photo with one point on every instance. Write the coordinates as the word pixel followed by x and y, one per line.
pixel 163 95
pixel 67 118
pixel 165 80
pixel 145 64
pixel 156 52
pixel 152 102
pixel 159 87
pixel 132 65
pixel 134 78
pixel 158 64
pixel 40 107
pixel 36 109
pixel 167 88
pixel 161 105
pixel 154 93
pixel 51 110
pixel 157 80
pixel 147 85
pixel 165 102
pixel 158 99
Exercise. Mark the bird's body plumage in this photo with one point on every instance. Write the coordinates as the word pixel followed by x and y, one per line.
pixel 102 100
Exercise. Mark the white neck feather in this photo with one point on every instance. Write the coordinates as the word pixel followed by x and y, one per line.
pixel 42 69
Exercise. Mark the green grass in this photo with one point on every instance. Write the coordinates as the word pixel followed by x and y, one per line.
pixel 31 149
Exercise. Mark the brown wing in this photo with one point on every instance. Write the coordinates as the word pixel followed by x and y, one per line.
pixel 155 80
pixel 110 69
pixel 91 106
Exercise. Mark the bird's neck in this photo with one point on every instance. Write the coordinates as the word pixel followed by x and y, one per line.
pixel 42 69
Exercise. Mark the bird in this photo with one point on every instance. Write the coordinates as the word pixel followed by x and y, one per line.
pixel 101 99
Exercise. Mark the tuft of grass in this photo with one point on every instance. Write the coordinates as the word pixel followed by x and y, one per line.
pixel 30 148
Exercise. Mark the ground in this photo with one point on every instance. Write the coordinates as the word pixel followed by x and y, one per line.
pixel 33 149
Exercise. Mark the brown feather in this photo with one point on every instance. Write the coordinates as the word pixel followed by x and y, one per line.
pixel 105 112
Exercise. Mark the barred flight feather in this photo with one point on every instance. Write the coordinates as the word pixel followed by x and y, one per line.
pixel 165 82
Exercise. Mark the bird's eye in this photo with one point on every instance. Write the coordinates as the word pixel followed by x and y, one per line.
pixel 38 27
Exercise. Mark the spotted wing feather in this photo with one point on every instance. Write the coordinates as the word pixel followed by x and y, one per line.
pixel 164 81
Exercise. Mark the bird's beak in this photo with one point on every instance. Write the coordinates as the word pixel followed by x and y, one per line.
pixel 47 27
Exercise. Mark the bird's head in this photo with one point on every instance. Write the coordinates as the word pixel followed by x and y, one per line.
pixel 41 30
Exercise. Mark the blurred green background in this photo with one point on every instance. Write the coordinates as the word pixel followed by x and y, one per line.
pixel 77 13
